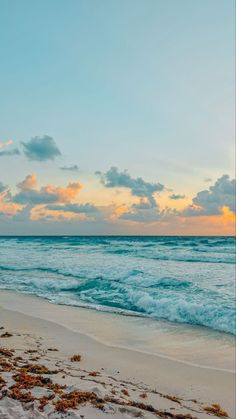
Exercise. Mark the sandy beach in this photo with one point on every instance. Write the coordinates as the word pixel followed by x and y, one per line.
pixel 107 381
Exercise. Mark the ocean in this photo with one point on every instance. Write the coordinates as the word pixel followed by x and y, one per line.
pixel 188 280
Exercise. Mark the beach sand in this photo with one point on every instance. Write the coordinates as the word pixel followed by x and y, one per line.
pixel 107 382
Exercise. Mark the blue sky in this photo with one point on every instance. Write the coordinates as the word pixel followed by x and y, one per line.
pixel 146 86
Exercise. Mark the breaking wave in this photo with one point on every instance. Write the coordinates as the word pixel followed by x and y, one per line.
pixel 183 280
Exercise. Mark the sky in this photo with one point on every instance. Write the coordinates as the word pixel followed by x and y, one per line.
pixel 117 117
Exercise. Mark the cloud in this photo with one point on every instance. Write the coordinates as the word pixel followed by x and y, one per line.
pixel 7 207
pixel 4 144
pixel 141 212
pixel 48 194
pixel 142 215
pixel 147 209
pixel 75 208
pixel 207 179
pixel 145 213
pixel 142 205
pixel 3 187
pixel 30 182
pixel 14 152
pixel 138 187
pixel 212 201
pixel 49 202
pixel 73 168
pixel 177 196
pixel 36 197
pixel 41 149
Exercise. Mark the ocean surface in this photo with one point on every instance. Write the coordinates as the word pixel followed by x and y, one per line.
pixel 187 280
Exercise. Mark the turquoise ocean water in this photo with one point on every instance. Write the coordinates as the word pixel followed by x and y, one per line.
pixel 179 279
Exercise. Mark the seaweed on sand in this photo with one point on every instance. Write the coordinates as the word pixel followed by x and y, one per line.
pixel 26 381
pixel 6 335
pixel 2 382
pixel 73 399
pixel 38 369
pixel 76 358
pixel 17 394
pixel 217 410
pixel 6 352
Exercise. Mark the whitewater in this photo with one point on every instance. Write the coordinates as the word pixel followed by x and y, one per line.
pixel 187 280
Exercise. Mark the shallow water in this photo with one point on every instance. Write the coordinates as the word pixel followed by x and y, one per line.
pixel 180 279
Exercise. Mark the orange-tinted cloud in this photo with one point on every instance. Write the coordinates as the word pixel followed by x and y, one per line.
pixel 8 208
pixel 42 212
pixel 64 194
pixel 30 182
pixel 119 211
pixel 48 194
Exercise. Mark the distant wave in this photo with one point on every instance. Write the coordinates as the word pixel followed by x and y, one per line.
pixel 176 258
pixel 192 259
pixel 38 269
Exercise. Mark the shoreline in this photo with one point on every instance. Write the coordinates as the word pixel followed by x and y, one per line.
pixel 177 379
pixel 166 332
